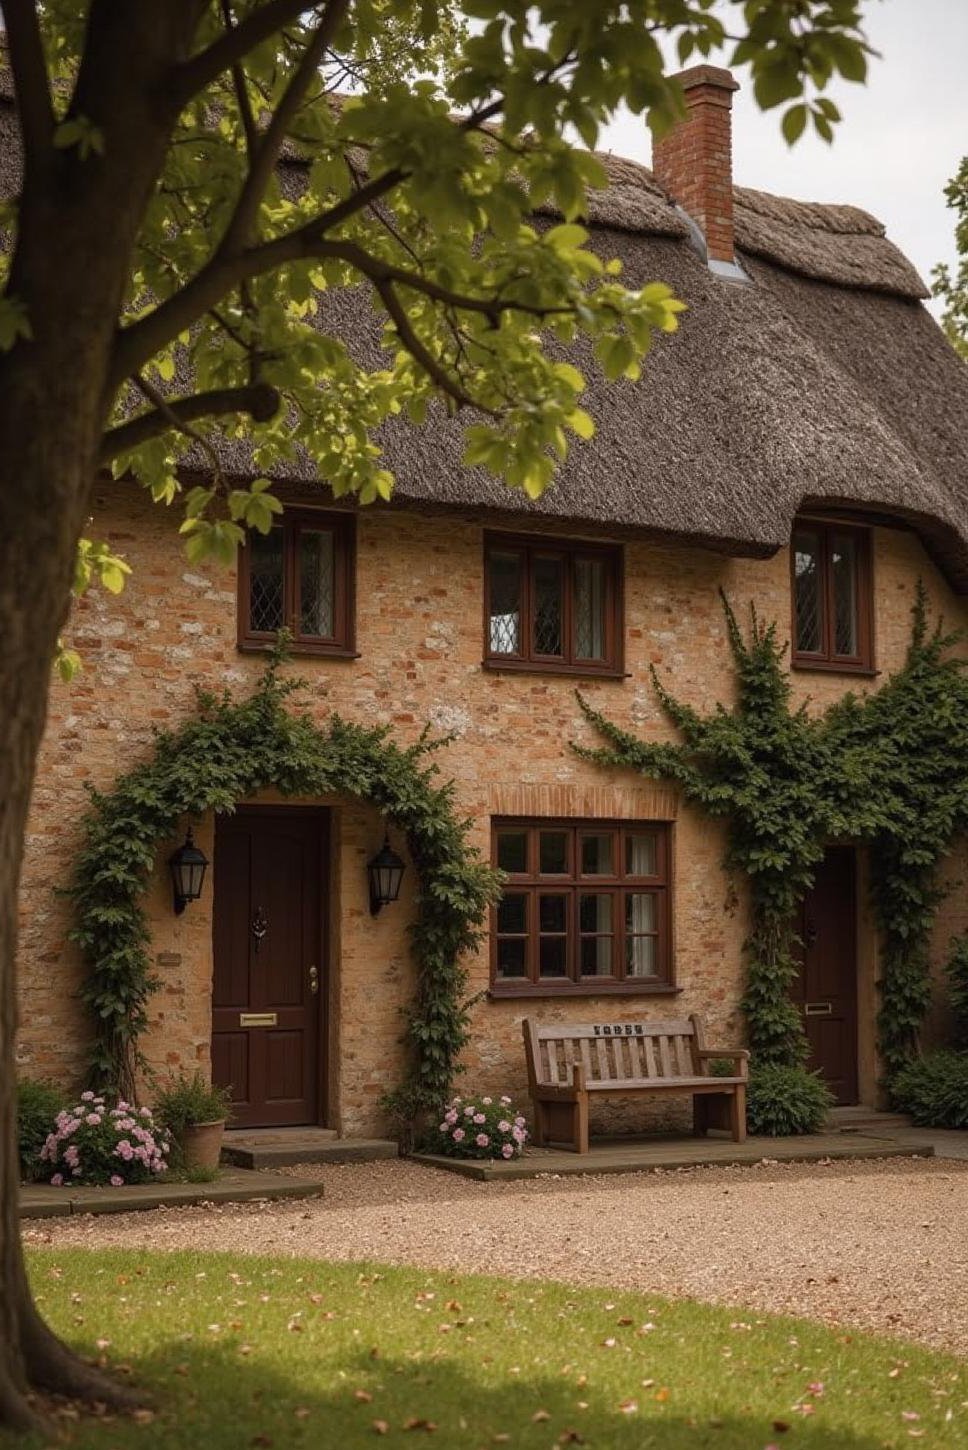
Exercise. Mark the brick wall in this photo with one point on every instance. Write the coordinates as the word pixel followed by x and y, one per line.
pixel 693 162
pixel 419 632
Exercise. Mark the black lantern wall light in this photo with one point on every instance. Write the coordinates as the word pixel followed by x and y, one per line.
pixel 385 871
pixel 187 866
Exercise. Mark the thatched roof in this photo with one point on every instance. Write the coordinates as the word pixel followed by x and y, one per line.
pixel 777 394
pixel 822 381
pixel 825 381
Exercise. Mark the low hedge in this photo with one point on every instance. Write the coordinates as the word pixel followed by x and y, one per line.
pixel 38 1103
pixel 783 1101
pixel 934 1090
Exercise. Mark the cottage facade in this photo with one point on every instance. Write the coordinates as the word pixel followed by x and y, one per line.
pixel 799 445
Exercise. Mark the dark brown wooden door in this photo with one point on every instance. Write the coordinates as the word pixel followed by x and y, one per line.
pixel 826 987
pixel 268 976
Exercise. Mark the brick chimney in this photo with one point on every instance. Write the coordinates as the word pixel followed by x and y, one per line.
pixel 693 161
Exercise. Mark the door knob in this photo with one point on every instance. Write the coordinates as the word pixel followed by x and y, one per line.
pixel 313 980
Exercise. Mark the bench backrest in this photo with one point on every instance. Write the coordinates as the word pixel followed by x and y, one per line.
pixel 613 1051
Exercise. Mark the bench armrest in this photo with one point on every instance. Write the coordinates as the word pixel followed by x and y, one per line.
pixel 734 1054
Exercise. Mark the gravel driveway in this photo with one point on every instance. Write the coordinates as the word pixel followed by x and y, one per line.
pixel 878 1245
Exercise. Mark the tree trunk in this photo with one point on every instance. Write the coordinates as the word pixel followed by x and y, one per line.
pixel 44 492
pixel 77 226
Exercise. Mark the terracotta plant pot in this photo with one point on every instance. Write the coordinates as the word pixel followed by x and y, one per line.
pixel 201 1144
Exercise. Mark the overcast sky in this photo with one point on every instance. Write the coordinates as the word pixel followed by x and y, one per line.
pixel 900 142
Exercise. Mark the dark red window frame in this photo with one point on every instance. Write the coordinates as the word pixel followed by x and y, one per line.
pixel 530 549
pixel 293 524
pixel 827 657
pixel 571 883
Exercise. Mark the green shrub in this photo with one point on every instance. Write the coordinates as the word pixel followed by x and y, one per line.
pixel 786 1100
pixel 957 972
pixel 92 1143
pixel 38 1103
pixel 188 1101
pixel 934 1090
pixel 479 1127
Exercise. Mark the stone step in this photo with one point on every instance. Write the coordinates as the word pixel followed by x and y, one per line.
pixel 285 1147
pixel 864 1120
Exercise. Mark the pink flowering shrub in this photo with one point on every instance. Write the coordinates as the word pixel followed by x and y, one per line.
pixel 479 1128
pixel 92 1143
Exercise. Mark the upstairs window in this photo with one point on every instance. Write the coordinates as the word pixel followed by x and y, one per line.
pixel 832 597
pixel 585 908
pixel 299 577
pixel 552 605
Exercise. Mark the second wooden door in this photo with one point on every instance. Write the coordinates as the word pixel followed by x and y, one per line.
pixel 826 987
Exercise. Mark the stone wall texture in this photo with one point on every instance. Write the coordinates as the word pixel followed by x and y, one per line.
pixel 419 636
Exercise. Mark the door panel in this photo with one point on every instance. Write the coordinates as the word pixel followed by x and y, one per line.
pixel 267 936
pixel 826 987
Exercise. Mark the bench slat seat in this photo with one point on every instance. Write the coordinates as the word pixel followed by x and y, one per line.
pixel 660 1084
pixel 567 1063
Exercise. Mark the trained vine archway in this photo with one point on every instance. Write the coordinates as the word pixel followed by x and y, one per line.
pixel 225 754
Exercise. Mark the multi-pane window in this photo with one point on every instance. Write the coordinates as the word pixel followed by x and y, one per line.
pixel 585 907
pixel 299 577
pixel 832 596
pixel 552 605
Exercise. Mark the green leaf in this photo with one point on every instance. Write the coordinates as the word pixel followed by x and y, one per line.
pixel 566 237
pixel 581 423
pixel 793 123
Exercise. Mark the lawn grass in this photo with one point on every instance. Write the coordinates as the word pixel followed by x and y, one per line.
pixel 246 1352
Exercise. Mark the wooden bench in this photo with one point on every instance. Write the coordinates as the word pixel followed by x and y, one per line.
pixel 570 1063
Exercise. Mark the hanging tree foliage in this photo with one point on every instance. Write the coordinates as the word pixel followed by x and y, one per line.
pixel 889 768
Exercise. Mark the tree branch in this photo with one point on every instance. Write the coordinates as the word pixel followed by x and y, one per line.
pixel 260 401
pixel 268 147
pixel 194 75
pixel 249 126
pixel 420 352
pixel 141 340
pixel 35 108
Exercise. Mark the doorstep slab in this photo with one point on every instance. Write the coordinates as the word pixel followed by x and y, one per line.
pixel 287 1147
pixel 40 1200
pixel 645 1155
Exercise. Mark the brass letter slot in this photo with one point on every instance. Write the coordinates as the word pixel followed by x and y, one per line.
pixel 258 1019
pixel 818 1009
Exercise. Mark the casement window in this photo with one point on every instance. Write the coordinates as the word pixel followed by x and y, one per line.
pixel 299 577
pixel 832 597
pixel 585 908
pixel 552 605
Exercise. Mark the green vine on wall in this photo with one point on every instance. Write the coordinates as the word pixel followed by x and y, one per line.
pixel 889 768
pixel 231 750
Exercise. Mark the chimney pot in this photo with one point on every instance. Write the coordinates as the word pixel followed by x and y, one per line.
pixel 693 161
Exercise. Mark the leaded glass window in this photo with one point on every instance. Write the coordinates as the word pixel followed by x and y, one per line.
pixel 553 606
pixel 299 577
pixel 832 597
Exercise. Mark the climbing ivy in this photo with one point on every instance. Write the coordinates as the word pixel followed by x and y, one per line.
pixel 889 768
pixel 227 753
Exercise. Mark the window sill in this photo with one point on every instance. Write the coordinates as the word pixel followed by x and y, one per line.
pixel 573 989
pixel 803 663
pixel 295 648
pixel 538 667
